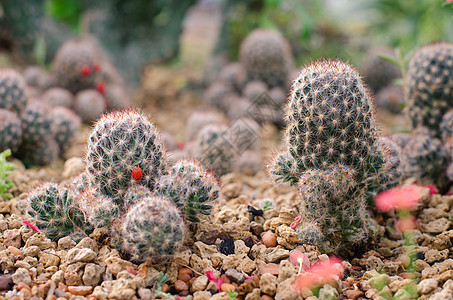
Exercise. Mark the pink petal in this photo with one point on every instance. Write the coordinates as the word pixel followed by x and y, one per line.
pixel 401 197
pixel 296 256
pixel 34 227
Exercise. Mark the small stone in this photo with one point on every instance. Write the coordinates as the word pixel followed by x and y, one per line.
pixel 202 295
pixel 145 294
pixel 266 297
pixel 256 228
pixel 276 254
pixel 12 238
pixel 404 259
pixel 328 292
pixel 92 274
pixel 21 275
pixel 80 290
pixel 200 283
pixel 269 239
pixel 374 263
pixel 254 295
pixel 6 282
pixel 225 287
pixel 31 251
pixel 66 243
pixel 184 274
pixel 270 268
pixel 58 276
pixel 354 294
pixel 437 226
pixel 379 281
pixel 48 259
pixel 14 251
pixel 433 255
pixel 235 276
pixel 268 284
pixel 72 278
pixel 385 251
pixel 426 286
pixel 286 270
pixel 181 285
pixel 80 255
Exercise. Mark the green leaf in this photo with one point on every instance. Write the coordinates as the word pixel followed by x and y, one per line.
pixel 389 59
pixel 39 51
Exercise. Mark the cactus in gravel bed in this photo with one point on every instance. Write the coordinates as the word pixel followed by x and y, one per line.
pixel 120 142
pixel 429 85
pixel 310 233
pixel 12 90
pixel 152 230
pixel 266 55
pixel 214 150
pixel 58 97
pixel 99 210
pixel 65 125
pixel 191 188
pixel 134 195
pixel 55 212
pixel 76 65
pixel 89 105
pixel 333 152
pixel 35 121
pixel 10 130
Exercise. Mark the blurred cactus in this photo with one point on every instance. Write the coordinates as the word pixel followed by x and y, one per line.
pixel 266 55
pixel 116 96
pixel 310 233
pixel 278 96
pixel 39 78
pixel 249 162
pixel 218 95
pixel 120 142
pixel 55 213
pixel 244 134
pixel 191 188
pixel 152 230
pixel 390 98
pixel 254 90
pixel 12 90
pixel 379 73
pixel 65 125
pixel 213 149
pixel 10 130
pixel 89 105
pixel 35 122
pixel 57 97
pixel 40 153
pixel 199 119
pixel 428 86
pixel 234 75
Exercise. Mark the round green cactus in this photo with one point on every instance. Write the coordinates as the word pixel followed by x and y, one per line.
pixel 65 125
pixel 10 130
pixel 99 210
pixel 12 90
pixel 35 120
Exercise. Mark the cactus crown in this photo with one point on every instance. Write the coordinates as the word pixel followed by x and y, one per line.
pixel 12 90
pixel 119 142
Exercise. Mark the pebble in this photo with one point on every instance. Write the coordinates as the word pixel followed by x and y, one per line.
pixel 270 268
pixel 354 294
pixel 404 259
pixel 184 274
pixel 235 276
pixel 200 283
pixel 21 275
pixel 227 286
pixel 426 286
pixel 181 285
pixel 268 284
pixel 269 239
pixel 81 290
pixel 14 251
pixel 6 282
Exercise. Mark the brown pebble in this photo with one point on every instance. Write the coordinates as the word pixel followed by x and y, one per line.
pixel 62 298
pixel 181 285
pixel 269 268
pixel 347 284
pixel 350 279
pixel 269 239
pixel 227 286
pixel 184 293
pixel 14 251
pixel 404 259
pixel 266 297
pixel 62 286
pixel 225 278
pixel 354 294
pixel 184 274
pixel 22 286
pixel 408 275
pixel 165 288
pixel 81 290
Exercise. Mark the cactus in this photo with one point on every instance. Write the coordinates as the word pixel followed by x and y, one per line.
pixel 134 195
pixel 81 182
pixel 55 212
pixel 76 65
pixel 199 119
pixel 255 90
pixel 244 134
pixel 191 188
pixel 266 55
pixel 99 210
pixel 10 130
pixel 214 150
pixel 218 95
pixel 212 68
pixel 446 127
pixel 120 142
pixel 12 90
pixel 310 233
pixel 278 96
pixel 65 125
pixel 234 75
pixel 116 96
pixel 89 105
pixel 58 97
pixel 377 72
pixel 428 86
pixel 35 122
pixel 390 98
pixel 249 162
pixel 152 230
pixel 40 153
pixel 333 152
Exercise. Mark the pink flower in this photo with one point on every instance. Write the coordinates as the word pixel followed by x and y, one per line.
pixel 400 197
pixel 406 224
pixel 34 227
pixel 217 281
pixel 297 258
pixel 322 272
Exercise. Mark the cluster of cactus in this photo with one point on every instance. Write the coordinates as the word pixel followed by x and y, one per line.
pixel 257 83
pixel 129 187
pixel 34 131
pixel 333 153
pixel 223 148
pixel 81 79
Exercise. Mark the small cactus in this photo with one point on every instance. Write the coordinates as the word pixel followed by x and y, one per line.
pixel 428 85
pixel 116 96
pixel 134 195
pixel 218 95
pixel 99 210
pixel 120 142
pixel 89 105
pixel 310 233
pixel 40 153
pixel 199 119
pixel 255 90
pixel 58 97
pixel 390 98
pixel 191 188
pixel 10 130
pixel 266 55
pixel 55 212
pixel 35 122
pixel 152 230
pixel 81 182
pixel 234 75
pixel 377 72
pixel 12 90
pixel 65 125
pixel 75 65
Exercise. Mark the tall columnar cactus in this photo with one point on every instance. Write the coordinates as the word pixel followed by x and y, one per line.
pixel 214 150
pixel 152 230
pixel 12 90
pixel 10 130
pixel 429 85
pixel 35 122
pixel 121 142
pixel 266 56
pixel 191 188
pixel 76 65
pixel 89 105
pixel 65 125
pixel 55 212
pixel 333 152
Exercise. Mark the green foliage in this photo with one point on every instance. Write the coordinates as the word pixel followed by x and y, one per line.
pixel 67 11
pixel 5 169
